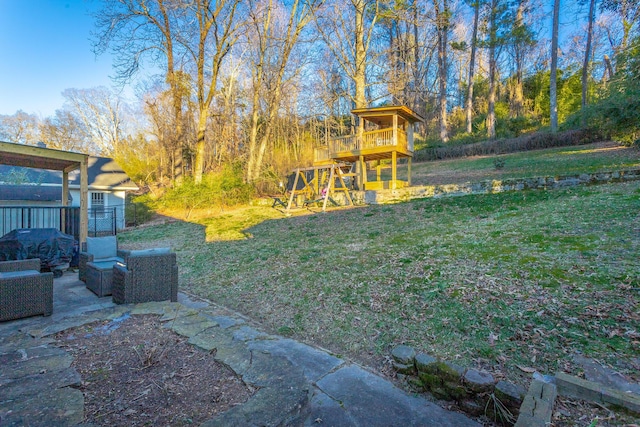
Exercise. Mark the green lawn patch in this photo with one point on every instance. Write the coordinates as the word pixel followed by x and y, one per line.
pixel 559 161
pixel 498 280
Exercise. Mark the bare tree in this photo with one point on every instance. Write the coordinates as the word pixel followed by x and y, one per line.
pixel 137 29
pixel 553 90
pixel 493 43
pixel 65 131
pixel 274 44
pixel 442 15
pixel 347 28
pixel 19 127
pixel 472 66
pixel 226 120
pixel 629 13
pixel 158 106
pixel 521 39
pixel 217 32
pixel 585 64
pixel 101 112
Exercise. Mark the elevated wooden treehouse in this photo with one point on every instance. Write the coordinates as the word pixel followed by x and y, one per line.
pixel 388 134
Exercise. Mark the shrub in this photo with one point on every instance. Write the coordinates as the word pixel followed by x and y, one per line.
pixel 222 188
pixel 617 114
pixel 138 209
pixel 534 141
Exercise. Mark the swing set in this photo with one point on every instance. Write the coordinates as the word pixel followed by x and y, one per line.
pixel 318 184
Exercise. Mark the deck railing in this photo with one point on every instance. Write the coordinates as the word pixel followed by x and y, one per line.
pixel 343 143
pixel 65 218
pixel 369 140
pixel 321 153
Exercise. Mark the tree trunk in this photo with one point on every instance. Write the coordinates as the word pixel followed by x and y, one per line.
pixel 553 90
pixel 253 138
pixel 517 101
pixel 176 137
pixel 493 40
pixel 198 166
pixel 585 64
pixel 472 66
pixel 442 25
pixel 608 67
pixel 416 58
pixel 217 27
pixel 359 78
pixel 175 86
pixel 491 110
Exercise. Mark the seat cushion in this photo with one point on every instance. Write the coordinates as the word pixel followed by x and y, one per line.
pixel 110 259
pixel 23 273
pixel 152 251
pixel 102 247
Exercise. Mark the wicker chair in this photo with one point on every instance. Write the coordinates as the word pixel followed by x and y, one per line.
pixel 98 249
pixel 145 275
pixel 24 291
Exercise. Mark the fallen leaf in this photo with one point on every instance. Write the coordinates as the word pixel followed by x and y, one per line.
pixel 492 338
pixel 526 369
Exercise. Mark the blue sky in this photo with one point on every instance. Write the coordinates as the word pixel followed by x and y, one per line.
pixel 44 49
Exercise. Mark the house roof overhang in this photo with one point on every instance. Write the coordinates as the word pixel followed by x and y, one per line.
pixel 47 158
pixel 39 157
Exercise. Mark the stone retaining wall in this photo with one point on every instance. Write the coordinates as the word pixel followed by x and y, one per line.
pixel 495 186
pixel 476 392
pixel 379 197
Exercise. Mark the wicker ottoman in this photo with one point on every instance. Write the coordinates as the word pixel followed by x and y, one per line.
pixel 24 291
pixel 100 277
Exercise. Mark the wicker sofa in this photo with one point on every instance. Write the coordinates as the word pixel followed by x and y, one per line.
pixel 98 249
pixel 145 275
pixel 24 291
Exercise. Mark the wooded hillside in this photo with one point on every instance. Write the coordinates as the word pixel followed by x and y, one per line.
pixel 254 84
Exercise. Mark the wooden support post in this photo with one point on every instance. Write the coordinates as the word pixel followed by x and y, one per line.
pixel 65 201
pixel 409 172
pixel 363 173
pixel 394 158
pixel 344 186
pixel 395 130
pixel 329 185
pixel 84 200
pixel 293 191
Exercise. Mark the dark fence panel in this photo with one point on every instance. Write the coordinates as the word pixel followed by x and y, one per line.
pixel 101 222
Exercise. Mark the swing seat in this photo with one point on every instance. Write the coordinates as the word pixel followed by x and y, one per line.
pixel 320 200
pixel 277 200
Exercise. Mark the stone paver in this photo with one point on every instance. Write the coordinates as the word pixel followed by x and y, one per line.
pixel 593 371
pixel 373 401
pixel 296 384
pixel 314 363
pixel 537 407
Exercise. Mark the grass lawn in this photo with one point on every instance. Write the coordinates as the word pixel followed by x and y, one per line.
pixel 501 281
pixel 590 158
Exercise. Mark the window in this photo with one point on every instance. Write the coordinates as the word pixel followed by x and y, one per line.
pixel 97 205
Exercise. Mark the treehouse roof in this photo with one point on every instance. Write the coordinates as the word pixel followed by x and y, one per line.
pixel 383 116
